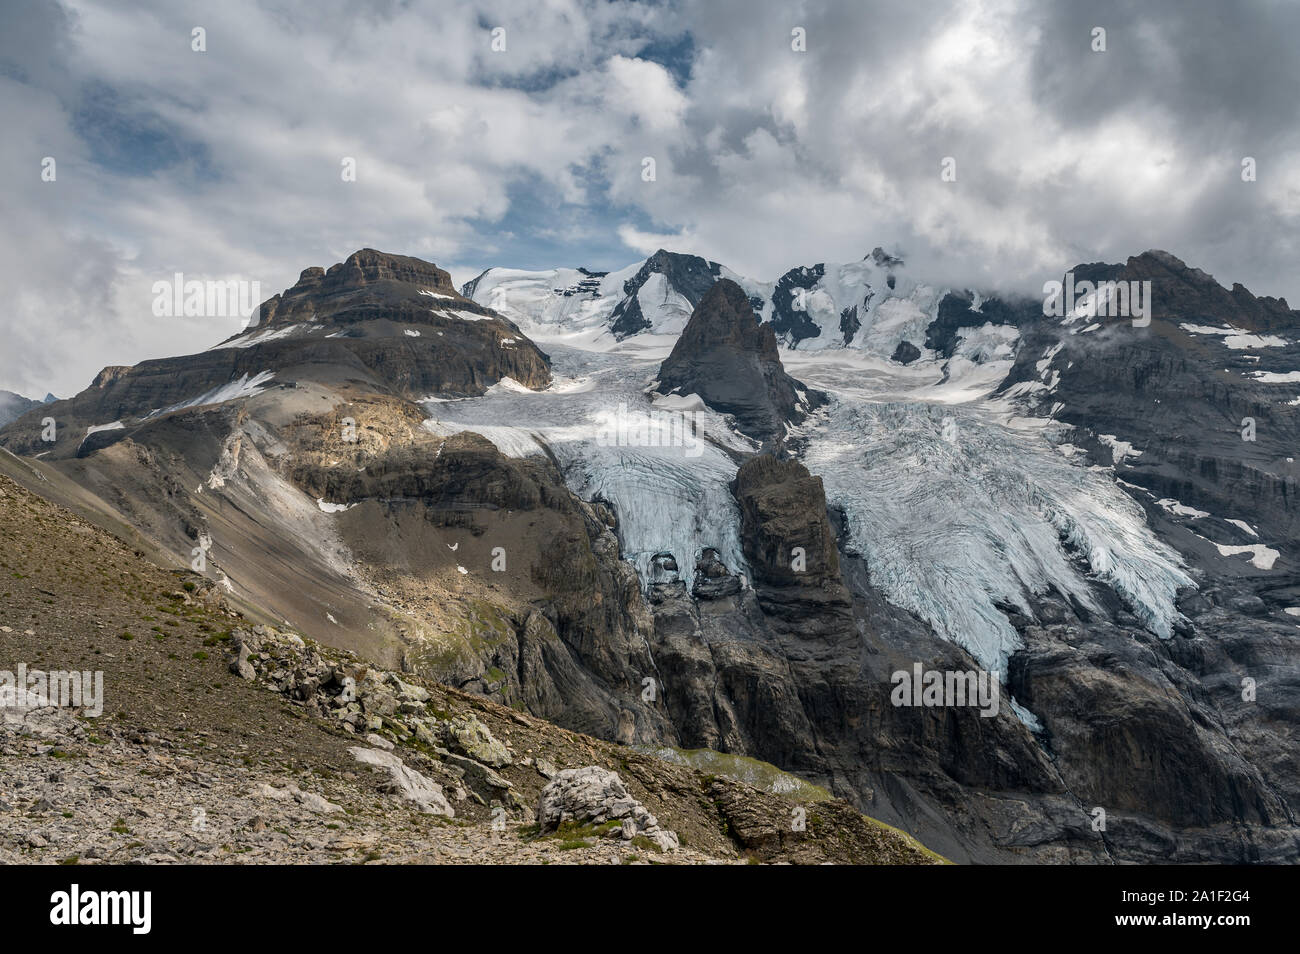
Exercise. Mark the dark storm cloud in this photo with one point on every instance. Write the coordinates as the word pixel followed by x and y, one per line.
pixel 1227 72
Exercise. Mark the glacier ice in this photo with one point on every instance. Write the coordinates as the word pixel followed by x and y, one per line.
pixel 665 471
pixel 957 506
pixel 956 512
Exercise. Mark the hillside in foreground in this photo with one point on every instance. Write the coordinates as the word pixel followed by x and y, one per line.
pixel 223 742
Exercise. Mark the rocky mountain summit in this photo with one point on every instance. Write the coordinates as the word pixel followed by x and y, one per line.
pixel 688 275
pixel 730 360
pixel 15 405
pixel 382 323
pixel 1197 408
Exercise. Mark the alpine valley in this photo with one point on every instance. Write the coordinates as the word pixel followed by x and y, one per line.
pixel 704 520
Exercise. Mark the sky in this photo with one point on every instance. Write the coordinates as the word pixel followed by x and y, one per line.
pixel 516 133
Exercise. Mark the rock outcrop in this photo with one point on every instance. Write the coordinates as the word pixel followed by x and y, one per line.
pixel 1200 396
pixel 788 538
pixel 595 796
pixel 730 360
pixel 405 781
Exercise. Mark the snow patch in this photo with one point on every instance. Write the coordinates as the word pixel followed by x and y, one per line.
pixel 1182 510
pixel 262 337
pixel 1261 557
pixel 1119 450
pixel 244 387
pixel 1236 338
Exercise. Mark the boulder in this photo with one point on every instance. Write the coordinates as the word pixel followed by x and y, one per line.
pixel 472 738
pixel 595 795
pixel 405 781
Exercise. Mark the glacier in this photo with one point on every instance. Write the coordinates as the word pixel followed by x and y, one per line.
pixel 955 511
pixel 957 505
pixel 577 306
pixel 666 472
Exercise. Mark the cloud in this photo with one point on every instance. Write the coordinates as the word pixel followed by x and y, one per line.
pixel 647 243
pixel 226 163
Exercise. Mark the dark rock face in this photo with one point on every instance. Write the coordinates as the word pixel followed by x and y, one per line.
pixel 905 353
pixel 787 537
pixel 850 323
pixel 366 277
pixel 810 688
pixel 689 275
pixel 726 357
pixel 794 324
pixel 1186 294
pixel 713 581
pixel 955 313
pixel 1108 699
pixel 1212 431
pixel 1200 424
pixel 791 548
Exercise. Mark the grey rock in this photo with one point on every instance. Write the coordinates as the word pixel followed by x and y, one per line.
pixel 472 738
pixel 316 803
pixel 596 795
pixel 405 781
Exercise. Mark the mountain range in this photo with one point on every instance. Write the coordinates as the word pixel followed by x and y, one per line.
pixel 679 509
